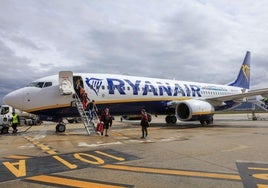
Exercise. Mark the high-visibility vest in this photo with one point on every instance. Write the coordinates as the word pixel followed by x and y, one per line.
pixel 15 118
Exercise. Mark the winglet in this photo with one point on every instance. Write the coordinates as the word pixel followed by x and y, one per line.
pixel 243 78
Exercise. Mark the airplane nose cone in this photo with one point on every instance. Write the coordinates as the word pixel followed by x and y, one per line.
pixel 14 99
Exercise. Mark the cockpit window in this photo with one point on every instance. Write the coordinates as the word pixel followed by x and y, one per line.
pixel 40 84
pixel 36 84
pixel 47 84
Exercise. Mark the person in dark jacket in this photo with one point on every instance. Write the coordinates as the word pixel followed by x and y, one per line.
pixel 107 120
pixel 92 109
pixel 144 123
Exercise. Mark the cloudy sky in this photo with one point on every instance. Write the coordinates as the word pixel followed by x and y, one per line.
pixel 203 40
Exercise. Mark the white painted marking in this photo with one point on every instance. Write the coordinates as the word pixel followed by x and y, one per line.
pixel 84 144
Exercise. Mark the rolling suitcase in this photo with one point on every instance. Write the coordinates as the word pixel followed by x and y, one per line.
pixel 100 127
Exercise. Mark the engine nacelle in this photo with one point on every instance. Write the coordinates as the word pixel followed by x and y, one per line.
pixel 192 109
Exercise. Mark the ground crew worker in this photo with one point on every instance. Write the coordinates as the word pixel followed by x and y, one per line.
pixel 265 100
pixel 15 120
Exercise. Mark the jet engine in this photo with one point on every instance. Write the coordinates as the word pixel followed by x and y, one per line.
pixel 192 110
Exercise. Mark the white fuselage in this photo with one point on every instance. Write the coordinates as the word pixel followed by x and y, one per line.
pixel 114 89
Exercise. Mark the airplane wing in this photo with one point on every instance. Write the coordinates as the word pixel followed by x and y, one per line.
pixel 238 97
pixel 217 101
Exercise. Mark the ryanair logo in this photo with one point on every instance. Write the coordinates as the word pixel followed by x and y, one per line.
pixel 94 84
pixel 143 87
pixel 246 70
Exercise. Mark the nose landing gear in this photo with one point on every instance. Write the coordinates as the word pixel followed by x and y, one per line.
pixel 61 127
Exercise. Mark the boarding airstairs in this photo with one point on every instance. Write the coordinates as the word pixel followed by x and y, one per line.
pixel 89 125
pixel 262 105
pixel 66 88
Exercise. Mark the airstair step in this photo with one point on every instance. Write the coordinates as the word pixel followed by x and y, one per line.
pixel 89 126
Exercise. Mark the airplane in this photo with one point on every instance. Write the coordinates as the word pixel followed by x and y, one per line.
pixel 51 97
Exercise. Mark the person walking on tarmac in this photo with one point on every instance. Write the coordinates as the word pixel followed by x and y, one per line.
pixel 107 120
pixel 144 123
pixel 15 120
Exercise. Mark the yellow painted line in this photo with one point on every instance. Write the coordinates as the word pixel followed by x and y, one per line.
pixel 51 152
pixel 262 186
pixel 111 156
pixel 34 142
pixel 117 134
pixel 17 168
pixel 173 172
pixel 70 182
pixel 66 163
pixel 42 146
pixel 255 168
pixel 18 157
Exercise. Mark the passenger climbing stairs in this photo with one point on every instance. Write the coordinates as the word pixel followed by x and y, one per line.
pixel 89 125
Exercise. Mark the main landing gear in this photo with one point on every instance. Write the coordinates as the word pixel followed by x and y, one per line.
pixel 207 121
pixel 171 119
pixel 204 120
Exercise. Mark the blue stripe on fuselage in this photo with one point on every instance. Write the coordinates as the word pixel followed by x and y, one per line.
pixel 126 108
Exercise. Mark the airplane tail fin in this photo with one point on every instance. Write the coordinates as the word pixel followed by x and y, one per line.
pixel 243 78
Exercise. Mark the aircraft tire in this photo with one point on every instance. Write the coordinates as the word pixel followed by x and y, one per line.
pixel 70 120
pixel 202 122
pixel 209 121
pixel 173 119
pixel 4 130
pixel 168 119
pixel 60 128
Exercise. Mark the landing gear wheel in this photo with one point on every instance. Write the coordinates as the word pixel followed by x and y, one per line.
pixel 60 128
pixel 70 120
pixel 173 119
pixel 4 130
pixel 202 122
pixel 209 121
pixel 168 119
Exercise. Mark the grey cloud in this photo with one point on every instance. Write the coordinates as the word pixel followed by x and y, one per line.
pixel 185 40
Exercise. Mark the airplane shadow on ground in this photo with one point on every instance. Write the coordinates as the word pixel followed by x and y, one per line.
pixel 215 125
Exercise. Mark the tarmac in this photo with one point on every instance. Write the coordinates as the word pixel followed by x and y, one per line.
pixel 232 152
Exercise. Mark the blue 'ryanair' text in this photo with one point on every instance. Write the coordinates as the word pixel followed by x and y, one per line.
pixel 144 87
